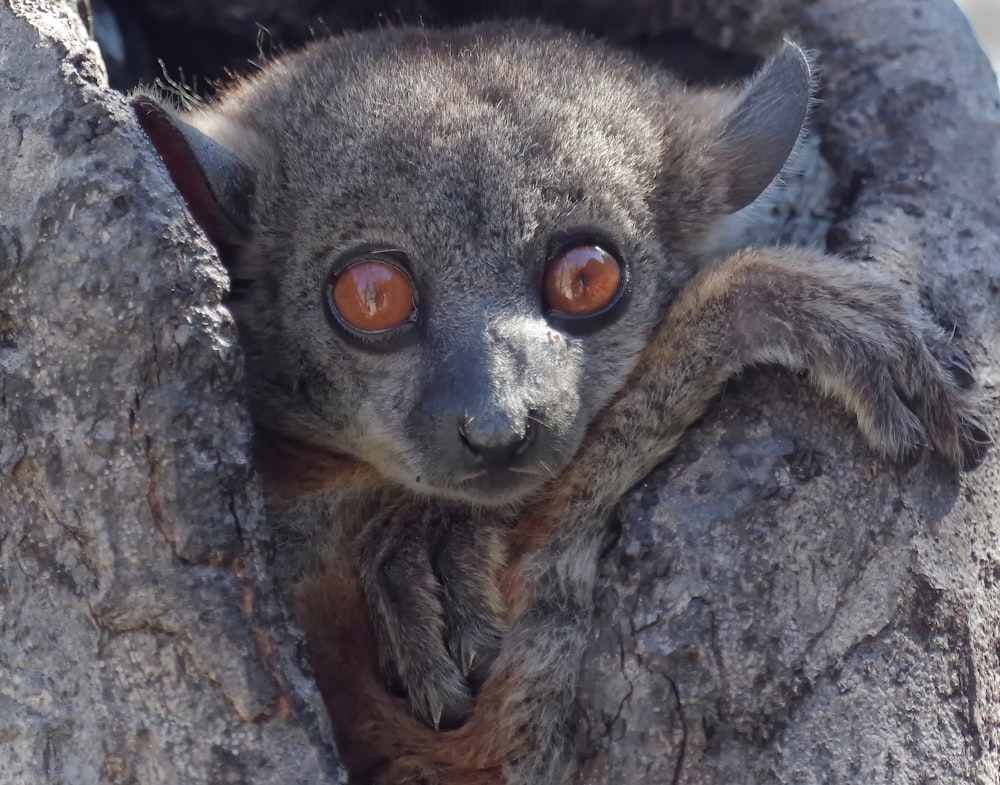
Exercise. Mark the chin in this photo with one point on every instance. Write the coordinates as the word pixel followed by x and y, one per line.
pixel 493 489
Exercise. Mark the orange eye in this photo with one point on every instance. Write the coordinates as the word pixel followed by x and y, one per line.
pixel 373 296
pixel 582 280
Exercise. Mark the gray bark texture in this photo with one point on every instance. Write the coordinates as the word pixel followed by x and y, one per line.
pixel 141 640
pixel 781 607
pixel 778 606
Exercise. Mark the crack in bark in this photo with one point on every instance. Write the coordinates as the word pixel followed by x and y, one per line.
pixel 236 523
pixel 631 685
pixel 264 646
pixel 679 763
pixel 153 500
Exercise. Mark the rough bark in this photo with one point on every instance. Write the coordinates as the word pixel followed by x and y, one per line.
pixel 140 637
pixel 778 606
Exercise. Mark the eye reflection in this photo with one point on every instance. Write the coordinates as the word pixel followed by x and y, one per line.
pixel 373 296
pixel 582 280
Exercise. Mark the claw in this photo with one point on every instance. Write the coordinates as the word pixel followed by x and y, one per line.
pixel 436 709
pixel 910 456
pixel 469 661
pixel 961 369
pixel 977 445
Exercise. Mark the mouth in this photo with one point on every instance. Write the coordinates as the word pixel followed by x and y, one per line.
pixel 497 487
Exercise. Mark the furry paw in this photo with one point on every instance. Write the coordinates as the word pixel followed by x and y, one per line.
pixel 911 391
pixel 962 436
pixel 860 339
pixel 429 579
pixel 866 343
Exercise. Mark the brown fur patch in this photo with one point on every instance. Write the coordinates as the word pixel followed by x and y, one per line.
pixel 376 732
pixel 293 467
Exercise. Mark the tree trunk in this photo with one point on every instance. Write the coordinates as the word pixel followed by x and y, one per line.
pixel 141 640
pixel 778 605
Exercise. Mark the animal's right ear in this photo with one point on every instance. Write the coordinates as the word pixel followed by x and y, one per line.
pixel 216 185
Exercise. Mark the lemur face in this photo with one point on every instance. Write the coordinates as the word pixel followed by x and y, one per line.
pixel 449 247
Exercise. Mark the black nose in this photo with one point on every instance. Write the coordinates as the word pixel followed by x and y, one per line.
pixel 496 442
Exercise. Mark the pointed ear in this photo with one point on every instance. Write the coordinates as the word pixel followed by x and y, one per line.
pixel 216 185
pixel 760 133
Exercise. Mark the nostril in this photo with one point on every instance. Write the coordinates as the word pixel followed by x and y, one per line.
pixel 527 437
pixel 496 442
pixel 463 433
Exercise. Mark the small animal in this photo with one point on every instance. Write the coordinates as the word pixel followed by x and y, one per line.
pixel 476 275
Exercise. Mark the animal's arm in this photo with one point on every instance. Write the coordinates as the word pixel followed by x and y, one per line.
pixel 858 337
pixel 859 340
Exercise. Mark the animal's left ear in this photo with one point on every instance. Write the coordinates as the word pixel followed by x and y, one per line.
pixel 759 134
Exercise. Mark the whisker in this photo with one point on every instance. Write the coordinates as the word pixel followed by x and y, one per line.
pixel 539 420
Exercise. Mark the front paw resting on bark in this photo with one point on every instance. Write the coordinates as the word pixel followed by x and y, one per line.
pixel 429 577
pixel 855 334
pixel 859 339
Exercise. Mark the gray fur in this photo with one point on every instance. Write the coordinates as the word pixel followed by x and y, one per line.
pixel 470 151
pixel 474 152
